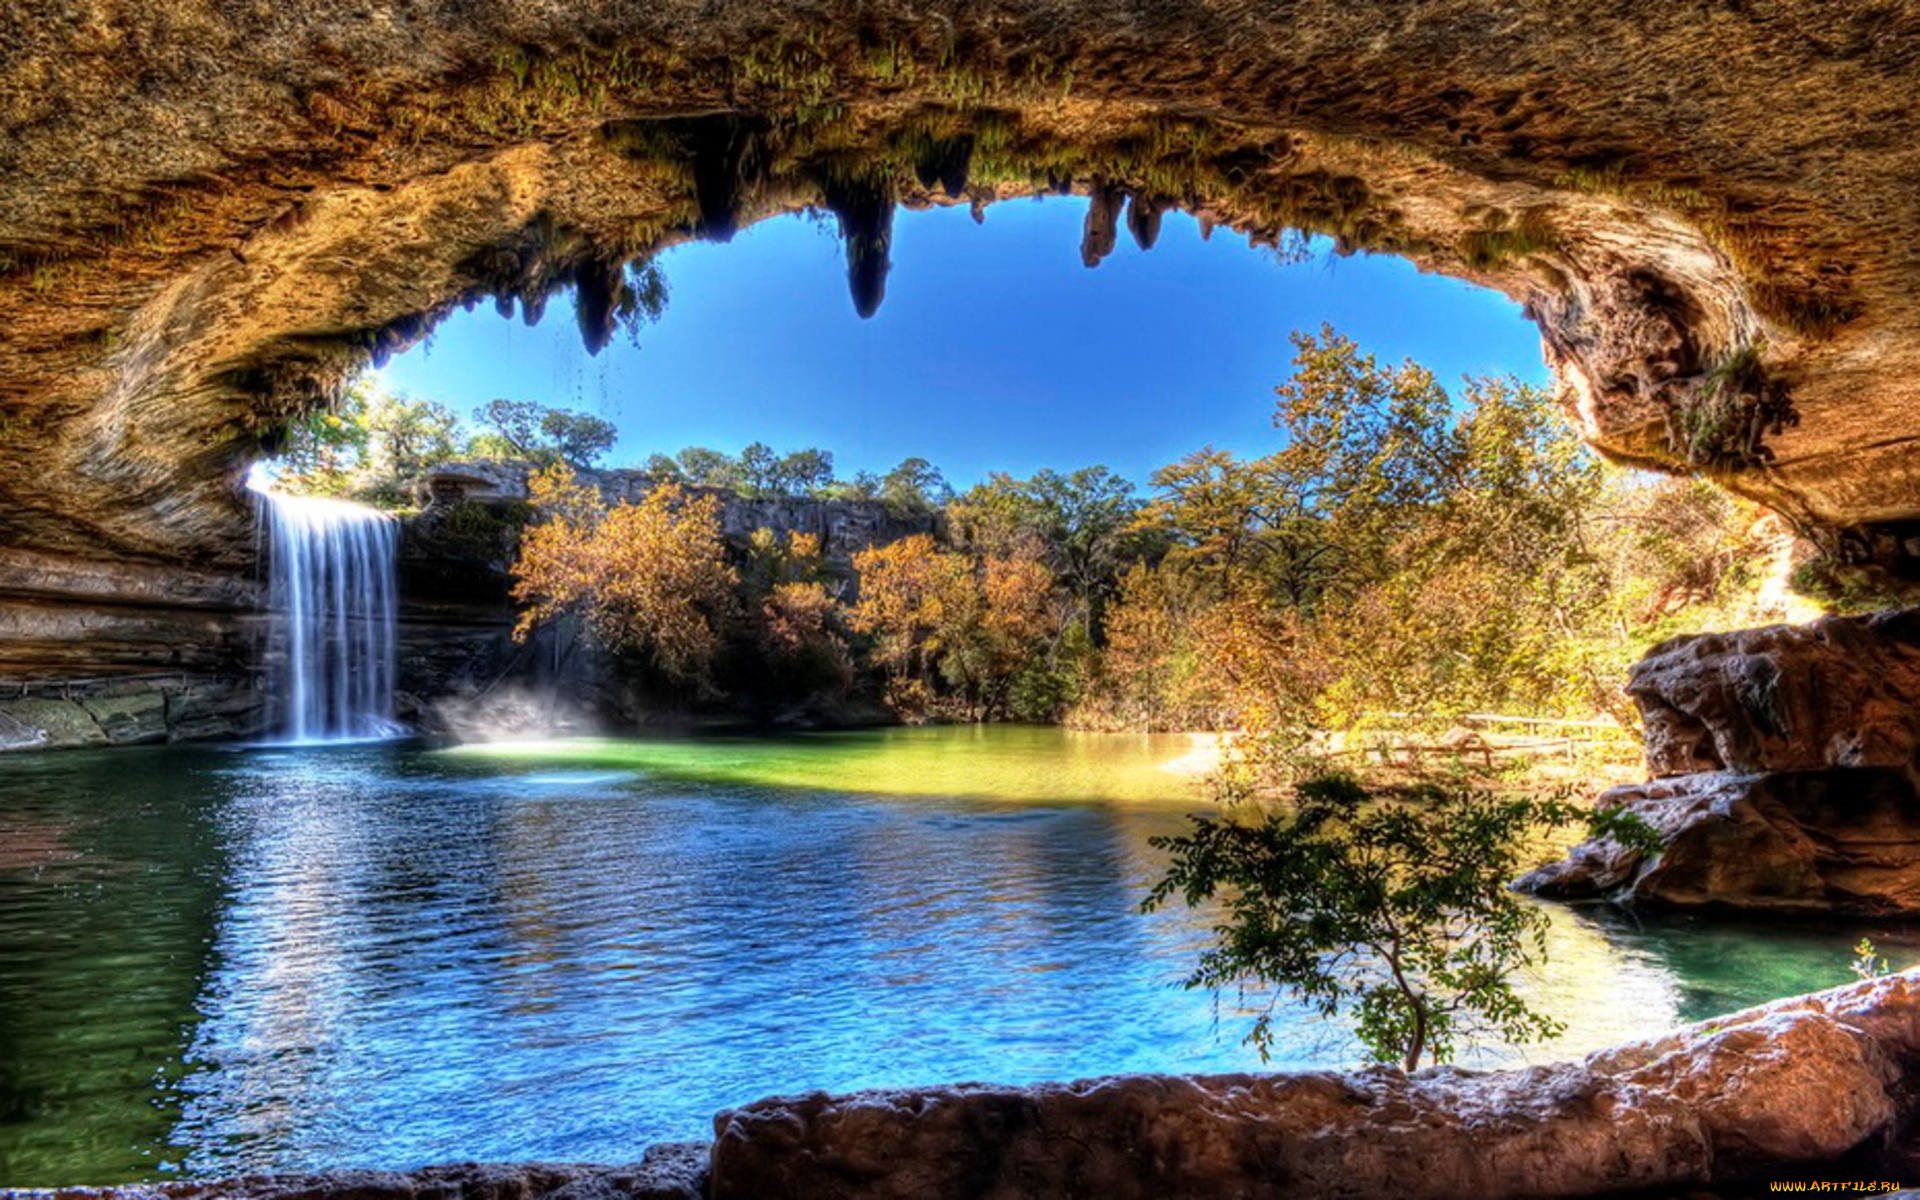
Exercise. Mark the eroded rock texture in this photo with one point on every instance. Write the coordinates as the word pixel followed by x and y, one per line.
pixel 210 213
pixel 114 653
pixel 1785 763
pixel 1772 1093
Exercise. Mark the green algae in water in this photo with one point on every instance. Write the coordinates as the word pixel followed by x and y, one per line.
pixel 1020 764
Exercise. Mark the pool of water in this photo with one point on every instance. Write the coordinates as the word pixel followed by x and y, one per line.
pixel 218 960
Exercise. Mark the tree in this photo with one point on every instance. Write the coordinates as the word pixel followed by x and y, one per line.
pixel 864 486
pixel 806 472
pixel 760 470
pixel 579 439
pixel 649 579
pixel 1394 909
pixel 911 592
pixel 1079 524
pixel 793 618
pixel 916 485
pixel 543 435
pixel 370 446
pixel 516 423
pixel 704 467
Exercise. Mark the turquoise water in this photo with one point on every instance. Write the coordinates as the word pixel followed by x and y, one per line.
pixel 214 961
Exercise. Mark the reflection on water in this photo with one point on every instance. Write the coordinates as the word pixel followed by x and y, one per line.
pixel 384 957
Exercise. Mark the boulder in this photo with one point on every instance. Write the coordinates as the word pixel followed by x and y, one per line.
pixel 1836 841
pixel 1836 692
pixel 1784 763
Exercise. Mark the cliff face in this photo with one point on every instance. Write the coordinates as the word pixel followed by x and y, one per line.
pixel 208 214
pixel 97 654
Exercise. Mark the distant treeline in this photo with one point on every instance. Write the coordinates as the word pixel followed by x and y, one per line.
pixel 374 444
pixel 1402 551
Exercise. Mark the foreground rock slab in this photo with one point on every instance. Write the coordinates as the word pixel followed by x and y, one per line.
pixel 1786 762
pixel 1793 1090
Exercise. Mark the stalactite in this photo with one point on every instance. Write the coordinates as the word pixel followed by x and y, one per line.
pixel 598 287
pixel 945 161
pixel 1143 219
pixel 1101 233
pixel 719 146
pixel 864 204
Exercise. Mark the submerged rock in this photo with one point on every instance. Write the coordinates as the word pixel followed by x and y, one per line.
pixel 1785 774
pixel 674 1171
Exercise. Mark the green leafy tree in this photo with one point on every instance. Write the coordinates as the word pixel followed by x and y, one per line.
pixel 704 467
pixel 916 485
pixel 1081 524
pixel 760 470
pixel 370 446
pixel 863 486
pixel 806 472
pixel 540 434
pixel 514 425
pixel 1392 909
pixel 578 439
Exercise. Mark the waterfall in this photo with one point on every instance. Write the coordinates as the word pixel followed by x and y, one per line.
pixel 332 597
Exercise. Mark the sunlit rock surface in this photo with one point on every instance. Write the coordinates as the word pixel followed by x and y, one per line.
pixel 1772 1093
pixel 1785 766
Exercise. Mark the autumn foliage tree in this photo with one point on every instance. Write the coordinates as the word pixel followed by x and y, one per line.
pixel 947 623
pixel 649 580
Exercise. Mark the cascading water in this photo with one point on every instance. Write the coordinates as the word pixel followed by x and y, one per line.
pixel 332 596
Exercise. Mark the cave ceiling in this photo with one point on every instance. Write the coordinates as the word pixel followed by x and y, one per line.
pixel 213 213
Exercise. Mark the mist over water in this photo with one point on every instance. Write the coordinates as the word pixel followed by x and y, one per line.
pixel 385 956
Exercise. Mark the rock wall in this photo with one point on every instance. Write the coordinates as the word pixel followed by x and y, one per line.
pixel 1817 1088
pixel 1786 764
pixel 99 653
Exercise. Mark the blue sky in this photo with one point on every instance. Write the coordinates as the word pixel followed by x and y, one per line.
pixel 995 350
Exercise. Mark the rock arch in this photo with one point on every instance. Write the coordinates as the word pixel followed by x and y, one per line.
pixel 208 215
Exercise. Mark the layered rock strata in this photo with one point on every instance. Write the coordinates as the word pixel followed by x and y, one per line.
pixel 1786 764
pixel 103 653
